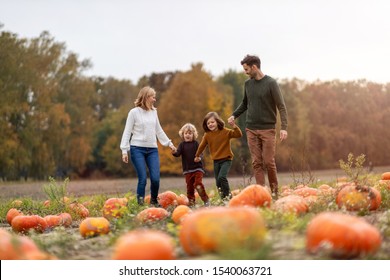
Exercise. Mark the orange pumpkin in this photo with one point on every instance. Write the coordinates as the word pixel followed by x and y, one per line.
pixel 12 213
pixel 355 198
pixel 52 221
pixel 344 235
pixel 385 176
pixel 252 195
pixel 14 247
pixel 94 226
pixel 152 214
pixel 292 203
pixel 222 228
pixel 78 210
pixel 66 219
pixel 180 212
pixel 183 200
pixel 114 207
pixel 144 245
pixel 25 223
pixel 168 199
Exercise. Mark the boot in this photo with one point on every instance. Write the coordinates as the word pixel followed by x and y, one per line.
pixel 154 203
pixel 140 200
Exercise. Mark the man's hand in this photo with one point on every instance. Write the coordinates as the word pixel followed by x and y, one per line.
pixel 283 135
pixel 231 120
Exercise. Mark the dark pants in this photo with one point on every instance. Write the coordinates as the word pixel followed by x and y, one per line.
pixel 194 181
pixel 146 157
pixel 221 169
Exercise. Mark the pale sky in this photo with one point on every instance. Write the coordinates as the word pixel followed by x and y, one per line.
pixel 126 39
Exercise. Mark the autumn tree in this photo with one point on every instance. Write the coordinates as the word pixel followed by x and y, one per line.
pixel 191 95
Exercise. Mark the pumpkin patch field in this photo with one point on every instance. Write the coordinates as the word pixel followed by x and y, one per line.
pixel 334 219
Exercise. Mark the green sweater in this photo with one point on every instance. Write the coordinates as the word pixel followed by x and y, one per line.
pixel 261 99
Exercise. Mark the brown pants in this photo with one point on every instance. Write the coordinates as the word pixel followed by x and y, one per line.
pixel 194 181
pixel 262 146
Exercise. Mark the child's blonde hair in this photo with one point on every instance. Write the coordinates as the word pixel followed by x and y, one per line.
pixel 190 127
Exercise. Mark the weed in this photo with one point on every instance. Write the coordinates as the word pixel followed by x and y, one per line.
pixel 354 169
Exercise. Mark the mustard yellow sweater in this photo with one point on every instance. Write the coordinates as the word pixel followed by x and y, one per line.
pixel 219 143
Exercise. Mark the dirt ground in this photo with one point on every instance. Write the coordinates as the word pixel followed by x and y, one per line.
pixel 76 188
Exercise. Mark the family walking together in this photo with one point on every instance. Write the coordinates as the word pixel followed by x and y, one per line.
pixel 262 100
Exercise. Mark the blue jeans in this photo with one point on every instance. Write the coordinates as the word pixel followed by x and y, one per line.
pixel 141 158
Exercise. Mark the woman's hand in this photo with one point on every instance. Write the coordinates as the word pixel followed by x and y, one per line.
pixel 125 158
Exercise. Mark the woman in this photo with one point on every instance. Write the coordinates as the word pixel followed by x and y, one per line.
pixel 140 137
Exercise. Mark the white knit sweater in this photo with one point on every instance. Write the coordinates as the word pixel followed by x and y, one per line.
pixel 143 129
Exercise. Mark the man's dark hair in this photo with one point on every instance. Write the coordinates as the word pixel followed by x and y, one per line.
pixel 251 60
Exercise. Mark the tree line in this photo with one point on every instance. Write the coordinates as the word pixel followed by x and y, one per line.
pixel 56 121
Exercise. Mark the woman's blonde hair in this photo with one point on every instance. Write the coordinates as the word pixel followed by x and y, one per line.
pixel 142 97
pixel 190 127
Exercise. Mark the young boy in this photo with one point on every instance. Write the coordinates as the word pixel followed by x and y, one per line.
pixel 192 170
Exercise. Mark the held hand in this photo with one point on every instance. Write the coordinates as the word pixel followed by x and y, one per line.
pixel 283 135
pixel 231 120
pixel 125 158
pixel 197 159
pixel 173 148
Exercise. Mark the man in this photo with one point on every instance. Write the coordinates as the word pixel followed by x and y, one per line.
pixel 262 99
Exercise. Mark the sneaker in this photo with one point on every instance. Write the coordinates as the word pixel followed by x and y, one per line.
pixel 207 203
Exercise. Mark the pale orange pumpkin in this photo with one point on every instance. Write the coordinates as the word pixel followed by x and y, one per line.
pixel 16 203
pixel 235 192
pixel 114 207
pixel 343 235
pixel 305 191
pixel 355 198
pixel 222 228
pixel 385 183
pixel 144 245
pixel 12 213
pixel 152 214
pixel 180 212
pixel 252 195
pixel 291 204
pixel 94 226
pixel 326 190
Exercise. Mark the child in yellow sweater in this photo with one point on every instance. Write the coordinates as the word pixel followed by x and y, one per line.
pixel 217 138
